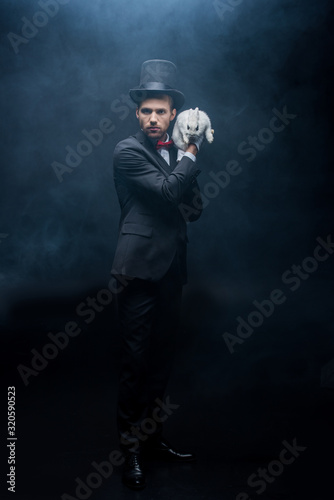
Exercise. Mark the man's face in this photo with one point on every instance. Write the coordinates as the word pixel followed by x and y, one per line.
pixel 154 117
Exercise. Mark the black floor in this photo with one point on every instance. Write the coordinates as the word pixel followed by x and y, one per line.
pixel 236 411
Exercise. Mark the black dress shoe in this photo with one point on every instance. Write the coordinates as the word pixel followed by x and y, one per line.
pixel 162 450
pixel 133 475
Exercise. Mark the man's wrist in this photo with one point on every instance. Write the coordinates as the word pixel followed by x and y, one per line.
pixel 190 155
pixel 192 149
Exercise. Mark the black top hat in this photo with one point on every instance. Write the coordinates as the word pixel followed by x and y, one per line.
pixel 157 77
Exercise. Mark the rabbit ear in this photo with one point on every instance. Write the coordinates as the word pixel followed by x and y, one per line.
pixel 197 111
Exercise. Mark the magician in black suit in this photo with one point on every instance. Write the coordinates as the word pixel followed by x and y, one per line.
pixel 158 195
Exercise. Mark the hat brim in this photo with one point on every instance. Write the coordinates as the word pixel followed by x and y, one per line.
pixel 140 94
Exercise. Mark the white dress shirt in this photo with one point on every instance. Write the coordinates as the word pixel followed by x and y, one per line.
pixel 164 152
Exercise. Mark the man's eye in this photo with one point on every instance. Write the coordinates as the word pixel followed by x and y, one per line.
pixel 161 111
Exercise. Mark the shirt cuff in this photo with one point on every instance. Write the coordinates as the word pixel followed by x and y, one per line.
pixel 191 156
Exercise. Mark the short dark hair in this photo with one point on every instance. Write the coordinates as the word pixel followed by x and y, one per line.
pixel 154 95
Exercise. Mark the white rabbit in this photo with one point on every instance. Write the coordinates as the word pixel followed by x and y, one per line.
pixel 191 125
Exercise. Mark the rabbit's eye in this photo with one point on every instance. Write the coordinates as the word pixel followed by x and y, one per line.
pixel 197 127
pixel 188 127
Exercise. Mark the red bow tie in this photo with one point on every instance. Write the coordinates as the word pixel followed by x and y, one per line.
pixel 167 145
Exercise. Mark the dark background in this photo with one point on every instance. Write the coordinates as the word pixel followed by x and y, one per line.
pixel 57 241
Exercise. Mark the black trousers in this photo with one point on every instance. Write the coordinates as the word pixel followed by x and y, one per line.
pixel 149 316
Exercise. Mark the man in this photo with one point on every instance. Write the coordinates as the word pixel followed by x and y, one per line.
pixel 158 194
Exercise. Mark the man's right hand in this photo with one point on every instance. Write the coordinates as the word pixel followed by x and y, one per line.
pixel 192 148
pixel 197 143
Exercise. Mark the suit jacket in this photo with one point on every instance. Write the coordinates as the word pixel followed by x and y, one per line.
pixel 157 201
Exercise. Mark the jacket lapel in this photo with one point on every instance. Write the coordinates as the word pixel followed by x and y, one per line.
pixel 173 156
pixel 157 159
